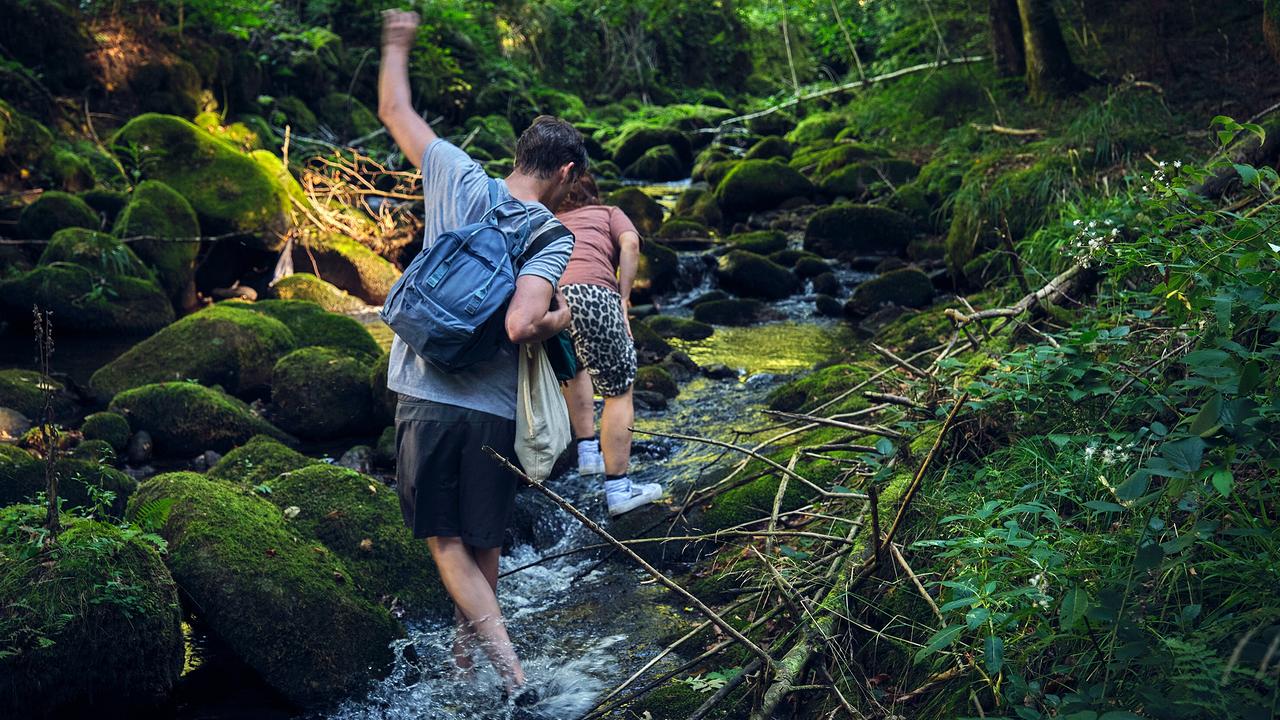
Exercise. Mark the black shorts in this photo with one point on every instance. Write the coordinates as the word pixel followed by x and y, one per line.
pixel 448 484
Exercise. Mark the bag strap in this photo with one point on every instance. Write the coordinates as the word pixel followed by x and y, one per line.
pixel 542 240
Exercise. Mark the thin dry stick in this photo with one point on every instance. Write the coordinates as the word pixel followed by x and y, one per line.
pixel 924 467
pixel 670 584
pixel 777 503
pixel 874 505
pixel 893 358
pixel 894 400
pixel 1052 288
pixel 886 432
pixel 902 563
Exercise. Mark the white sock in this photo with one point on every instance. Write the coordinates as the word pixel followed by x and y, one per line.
pixel 589 447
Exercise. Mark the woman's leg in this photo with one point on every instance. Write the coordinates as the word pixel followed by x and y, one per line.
pixel 615 433
pixel 578 395
pixel 466 574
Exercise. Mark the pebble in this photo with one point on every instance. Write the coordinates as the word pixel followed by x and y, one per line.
pixel 358 458
pixel 12 424
pixel 205 460
pixel 140 447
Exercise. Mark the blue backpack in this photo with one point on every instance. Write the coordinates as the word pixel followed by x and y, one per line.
pixel 450 304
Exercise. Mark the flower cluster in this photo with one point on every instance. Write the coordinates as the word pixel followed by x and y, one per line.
pixel 1092 238
pixel 1109 456
pixel 1160 179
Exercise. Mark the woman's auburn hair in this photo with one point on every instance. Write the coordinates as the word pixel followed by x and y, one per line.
pixel 583 193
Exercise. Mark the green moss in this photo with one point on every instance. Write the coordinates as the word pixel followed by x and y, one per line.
pixel 811 267
pixel 229 191
pixel 862 179
pixel 102 254
pixel 659 270
pixel 346 116
pixel 652 378
pixel 319 392
pixel 638 138
pixel 294 112
pixel 96 623
pixel 349 265
pixel 107 203
pixel 989 268
pixel 107 426
pixel 824 158
pixel 715 172
pixel 54 211
pixel 258 461
pixel 750 275
pixel 158 213
pixel 775 123
pixel 494 134
pixel 643 210
pixel 846 231
pixel 914 332
pixel 224 344
pixel 729 312
pixel 759 185
pixel 281 601
pixel 769 147
pixel 672 701
pixel 84 302
pixel 760 242
pixel 95 451
pixel 22 478
pixel 185 418
pixel 818 126
pixel 24 391
pixel 359 520
pixel 384 452
pixel 648 342
pixel 669 326
pixel 698 205
pixel 750 502
pixel 706 158
pixel 305 286
pixel 806 393
pixel 22 140
pixel 311 326
pixel 677 228
pixel 70 171
pixel 658 164
pixel 384 399
pixel 905 287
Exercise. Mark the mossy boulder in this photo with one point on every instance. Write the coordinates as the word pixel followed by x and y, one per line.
pixel 95 451
pixel 102 254
pixel 699 205
pixel 385 450
pixel 649 344
pixel 732 312
pixel 905 287
pixel 349 265
pixel 305 286
pixel 859 180
pixel 228 189
pixel 805 393
pixel 643 210
pixel 24 391
pixel 111 428
pixel 167 85
pixel 759 185
pixel 669 326
pixel 769 147
pixel 810 266
pixel 346 116
pixel 95 624
pixel 847 231
pixel 82 301
pixel 258 461
pixel 752 501
pixel 319 392
pixel 70 171
pixel 658 164
pixel 51 36
pixel 705 159
pixel 224 344
pixel 634 141
pixel 53 211
pixel 824 158
pixel 989 268
pixel 672 701
pixel 359 520
pixel 281 601
pixel 22 478
pixel 158 213
pixel 23 140
pixel 819 126
pixel 312 325
pixel 294 112
pixel 653 378
pixel 681 229
pixel 760 242
pixel 747 274
pixel 185 418
pixel 659 270
pixel 108 204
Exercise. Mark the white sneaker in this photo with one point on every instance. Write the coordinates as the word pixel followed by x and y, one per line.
pixel 634 496
pixel 590 461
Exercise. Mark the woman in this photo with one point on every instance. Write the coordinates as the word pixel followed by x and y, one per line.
pixel 597 287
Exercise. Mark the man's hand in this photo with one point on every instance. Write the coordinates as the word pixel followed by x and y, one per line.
pixel 399 28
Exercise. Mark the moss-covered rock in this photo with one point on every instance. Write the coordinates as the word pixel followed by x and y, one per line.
pixel 102 254
pixel 224 344
pixel 258 461
pixel 643 210
pixel 827 284
pixel 659 270
pixel 858 181
pixel 349 265
pixel 51 36
pixel 824 158
pixel 732 312
pixel 305 286
pixel 682 229
pixel 70 171
pixel 669 326
pixel 384 452
pixel 658 164
pixel 810 267
pixel 653 378
pixel 827 305
pixel 913 332
pixel 346 116
pixel 294 112
pixel 229 191
pixel 759 185
pixel 991 267
pixel 312 325
pixel 699 205
pixel 53 211
pixel 24 391
pixel 83 301
pixel 95 451
pixel 185 418
pixel 769 147
pixel 319 392
pixel 637 139
pixel 80 482
pixel 359 520
pixel 158 213
pixel 109 427
pixel 760 242
pixel 847 231
pixel 167 85
pixel 905 287
pixel 818 126
pixel 649 344
pixel 281 601
pixel 752 501
pixel 493 134
pixel 107 203
pixel 811 390
pixel 673 701
pixel 97 623
pixel 747 274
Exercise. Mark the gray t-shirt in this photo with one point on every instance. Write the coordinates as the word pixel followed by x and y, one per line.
pixel 457 193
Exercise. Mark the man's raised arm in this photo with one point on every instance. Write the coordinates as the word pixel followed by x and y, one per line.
pixel 395 104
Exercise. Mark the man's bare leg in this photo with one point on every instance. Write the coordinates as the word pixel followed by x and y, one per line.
pixel 466 574
pixel 464 639
pixel 615 432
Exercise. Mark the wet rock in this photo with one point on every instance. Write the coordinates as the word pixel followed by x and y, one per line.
pixel 235 292
pixel 205 460
pixel 828 306
pixel 669 326
pixel 811 266
pixel 750 275
pixel 290 610
pixel 643 210
pixel 107 426
pixel 637 140
pixel 321 393
pixel 769 147
pixel 140 448
pixel 157 211
pixel 759 184
pixel 658 164
pixel 358 458
pixel 760 242
pixel 890 263
pixel 349 265
pixel 305 286
pixel 699 204
pixel 12 424
pixel 650 347
pixel 54 211
pixel 731 312
pixel 649 400
pixel 709 296
pixel 185 418
pixel 656 379
pixel 24 391
pixel 720 371
pixel 536 521
pixel 846 231
pixel 906 287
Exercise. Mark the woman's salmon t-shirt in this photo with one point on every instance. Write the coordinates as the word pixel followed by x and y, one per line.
pixel 596 248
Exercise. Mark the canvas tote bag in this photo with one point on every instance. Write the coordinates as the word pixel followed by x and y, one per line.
pixel 542 418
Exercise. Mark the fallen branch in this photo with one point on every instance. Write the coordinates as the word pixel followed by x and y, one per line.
pixel 1052 289
pixel 905 365
pixel 886 432
pixel 894 400
pixel 1002 130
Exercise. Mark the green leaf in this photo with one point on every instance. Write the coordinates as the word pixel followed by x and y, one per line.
pixel 993 654
pixel 1074 605
pixel 1205 422
pixel 1248 175
pixel 976 617
pixel 1185 454
pixel 1223 481
pixel 1120 715
pixel 1104 506
pixel 940 640
pixel 1149 557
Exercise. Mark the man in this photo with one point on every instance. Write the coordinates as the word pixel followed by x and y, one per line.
pixel 451 492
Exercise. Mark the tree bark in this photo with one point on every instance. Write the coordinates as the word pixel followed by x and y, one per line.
pixel 1006 38
pixel 1050 70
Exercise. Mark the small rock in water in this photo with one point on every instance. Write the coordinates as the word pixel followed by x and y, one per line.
pixel 12 424
pixel 649 400
pixel 358 458
pixel 205 460
pixel 140 448
pixel 761 379
pixel 720 371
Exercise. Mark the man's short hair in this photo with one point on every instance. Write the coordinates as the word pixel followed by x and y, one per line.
pixel 547 145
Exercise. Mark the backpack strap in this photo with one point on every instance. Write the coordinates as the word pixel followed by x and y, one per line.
pixel 551 231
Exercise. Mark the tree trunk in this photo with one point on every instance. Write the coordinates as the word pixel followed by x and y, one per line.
pixel 1006 38
pixel 1271 26
pixel 1050 70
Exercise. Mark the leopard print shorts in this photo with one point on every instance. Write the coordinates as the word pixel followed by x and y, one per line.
pixel 600 337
